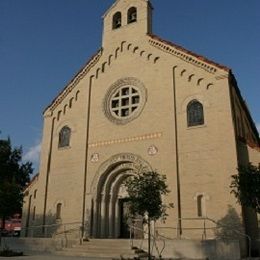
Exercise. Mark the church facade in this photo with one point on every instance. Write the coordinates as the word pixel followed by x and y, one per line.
pixel 141 103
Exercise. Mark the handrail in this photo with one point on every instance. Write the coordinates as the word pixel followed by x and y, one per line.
pixel 56 225
pixel 50 225
pixel 145 232
pixel 217 225
pixel 238 232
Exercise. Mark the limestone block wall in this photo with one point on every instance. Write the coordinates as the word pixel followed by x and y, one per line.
pixel 198 161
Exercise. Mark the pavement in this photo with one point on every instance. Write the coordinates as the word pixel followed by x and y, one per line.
pixel 38 256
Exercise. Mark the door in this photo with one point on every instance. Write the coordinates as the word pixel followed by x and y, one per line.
pixel 125 219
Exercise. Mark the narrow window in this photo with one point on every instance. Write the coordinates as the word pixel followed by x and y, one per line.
pixel 35 194
pixel 58 116
pixel 117 20
pixel 201 206
pixel 34 211
pixel 132 15
pixel 58 211
pixel 195 114
pixel 64 137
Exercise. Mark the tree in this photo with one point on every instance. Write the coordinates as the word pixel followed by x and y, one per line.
pixel 246 186
pixel 145 192
pixel 14 176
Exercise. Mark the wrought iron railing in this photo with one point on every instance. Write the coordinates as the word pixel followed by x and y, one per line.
pixel 52 230
pixel 208 225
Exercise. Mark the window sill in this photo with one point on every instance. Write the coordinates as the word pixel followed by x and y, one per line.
pixel 58 220
pixel 64 148
pixel 196 126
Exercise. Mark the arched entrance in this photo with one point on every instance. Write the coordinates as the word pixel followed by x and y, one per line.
pixel 110 204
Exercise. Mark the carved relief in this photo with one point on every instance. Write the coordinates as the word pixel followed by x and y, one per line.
pixel 152 150
pixel 94 157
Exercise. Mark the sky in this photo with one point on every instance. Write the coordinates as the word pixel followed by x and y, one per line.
pixel 43 43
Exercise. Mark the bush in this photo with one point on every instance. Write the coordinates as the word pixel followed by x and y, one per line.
pixel 9 253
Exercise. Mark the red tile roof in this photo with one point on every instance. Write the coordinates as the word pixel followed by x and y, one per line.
pixel 178 47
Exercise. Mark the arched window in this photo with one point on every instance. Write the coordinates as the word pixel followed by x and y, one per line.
pixel 132 15
pixel 58 211
pixel 117 20
pixel 195 114
pixel 35 194
pixel 64 137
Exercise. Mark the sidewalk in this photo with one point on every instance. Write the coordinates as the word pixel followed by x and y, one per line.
pixel 38 256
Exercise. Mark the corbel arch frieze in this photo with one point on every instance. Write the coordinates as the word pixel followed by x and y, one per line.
pixel 130 48
pixel 67 105
pixel 181 54
pixel 194 78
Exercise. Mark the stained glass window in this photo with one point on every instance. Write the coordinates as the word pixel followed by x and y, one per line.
pixel 64 137
pixel 195 114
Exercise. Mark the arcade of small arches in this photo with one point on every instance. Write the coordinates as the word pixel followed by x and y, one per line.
pixel 131 18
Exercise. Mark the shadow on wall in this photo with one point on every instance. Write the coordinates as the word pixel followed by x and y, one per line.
pixel 249 215
pixel 230 227
pixel 36 229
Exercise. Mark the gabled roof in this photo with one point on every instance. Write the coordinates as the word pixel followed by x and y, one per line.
pixel 32 181
pixel 65 91
pixel 200 57
pixel 233 82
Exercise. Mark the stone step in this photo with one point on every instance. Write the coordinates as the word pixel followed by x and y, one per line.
pixel 102 248
pixel 93 250
pixel 93 245
pixel 114 255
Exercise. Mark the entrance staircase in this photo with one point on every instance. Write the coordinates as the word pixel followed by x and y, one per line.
pixel 102 248
pixel 115 249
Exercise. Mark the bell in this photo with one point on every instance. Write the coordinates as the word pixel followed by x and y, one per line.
pixel 133 17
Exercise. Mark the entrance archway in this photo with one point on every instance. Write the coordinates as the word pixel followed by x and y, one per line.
pixel 109 209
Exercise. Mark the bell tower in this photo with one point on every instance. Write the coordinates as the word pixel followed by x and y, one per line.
pixel 126 19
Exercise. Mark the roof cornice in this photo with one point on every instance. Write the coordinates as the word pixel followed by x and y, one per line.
pixel 202 61
pixel 233 83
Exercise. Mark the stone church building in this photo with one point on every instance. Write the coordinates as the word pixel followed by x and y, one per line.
pixel 141 103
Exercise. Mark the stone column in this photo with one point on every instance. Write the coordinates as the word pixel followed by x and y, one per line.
pixel 117 219
pixel 95 218
pixel 111 217
pixel 103 216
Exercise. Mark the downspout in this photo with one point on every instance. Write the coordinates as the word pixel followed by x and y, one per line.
pixel 28 216
pixel 86 158
pixel 233 114
pixel 47 178
pixel 177 153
